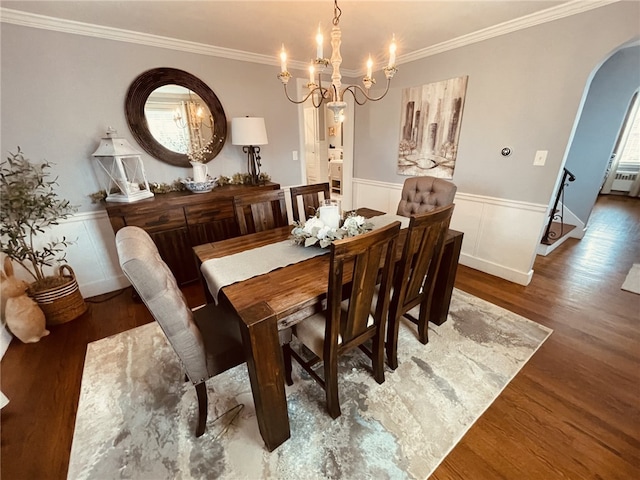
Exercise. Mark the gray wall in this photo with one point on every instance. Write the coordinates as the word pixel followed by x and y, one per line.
pixel 603 113
pixel 60 92
pixel 524 91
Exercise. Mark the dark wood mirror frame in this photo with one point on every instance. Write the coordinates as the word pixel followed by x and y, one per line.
pixel 137 96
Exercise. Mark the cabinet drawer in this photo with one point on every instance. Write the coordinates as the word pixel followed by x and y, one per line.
pixel 158 221
pixel 209 212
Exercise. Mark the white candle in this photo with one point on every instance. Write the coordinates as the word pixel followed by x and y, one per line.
pixel 283 59
pixel 330 215
pixel 392 53
pixel 369 66
pixel 311 72
pixel 319 40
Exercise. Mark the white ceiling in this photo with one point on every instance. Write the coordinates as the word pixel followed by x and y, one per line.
pixel 261 27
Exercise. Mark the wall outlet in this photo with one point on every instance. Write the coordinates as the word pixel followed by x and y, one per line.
pixel 540 158
pixel 294 155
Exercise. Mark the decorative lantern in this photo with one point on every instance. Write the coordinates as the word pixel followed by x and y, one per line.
pixel 125 180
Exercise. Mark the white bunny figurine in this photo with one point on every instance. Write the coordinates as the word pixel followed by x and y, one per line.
pixel 24 317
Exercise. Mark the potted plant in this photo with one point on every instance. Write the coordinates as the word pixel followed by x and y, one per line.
pixel 29 205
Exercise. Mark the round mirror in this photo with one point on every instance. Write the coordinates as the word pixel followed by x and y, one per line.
pixel 174 115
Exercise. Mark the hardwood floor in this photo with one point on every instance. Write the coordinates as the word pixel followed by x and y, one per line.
pixel 572 412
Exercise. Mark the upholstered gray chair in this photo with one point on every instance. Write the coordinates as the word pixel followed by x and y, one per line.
pixel 207 340
pixel 423 194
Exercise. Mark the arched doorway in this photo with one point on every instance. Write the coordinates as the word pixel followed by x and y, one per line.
pixel 606 101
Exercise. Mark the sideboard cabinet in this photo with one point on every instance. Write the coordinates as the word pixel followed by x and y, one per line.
pixel 178 221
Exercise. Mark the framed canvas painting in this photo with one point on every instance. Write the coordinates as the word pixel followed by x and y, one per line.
pixel 430 127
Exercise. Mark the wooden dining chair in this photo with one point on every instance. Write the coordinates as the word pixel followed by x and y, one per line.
pixel 310 199
pixel 207 341
pixel 415 276
pixel 357 264
pixel 256 212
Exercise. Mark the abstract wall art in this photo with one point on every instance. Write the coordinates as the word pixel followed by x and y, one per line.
pixel 430 127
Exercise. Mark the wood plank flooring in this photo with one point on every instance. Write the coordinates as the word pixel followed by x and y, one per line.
pixel 572 412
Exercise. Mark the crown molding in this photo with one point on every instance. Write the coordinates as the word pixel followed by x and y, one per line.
pixel 25 19
pixel 573 7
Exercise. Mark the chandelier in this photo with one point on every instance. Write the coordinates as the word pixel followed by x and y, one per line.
pixel 333 95
pixel 190 117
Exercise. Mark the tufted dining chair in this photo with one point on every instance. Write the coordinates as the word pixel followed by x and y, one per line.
pixel 423 194
pixel 415 276
pixel 206 340
pixel 354 267
pixel 310 195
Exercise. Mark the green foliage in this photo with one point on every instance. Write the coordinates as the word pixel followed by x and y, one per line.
pixel 223 180
pixel 29 204
pixel 98 196
pixel 175 186
pixel 178 186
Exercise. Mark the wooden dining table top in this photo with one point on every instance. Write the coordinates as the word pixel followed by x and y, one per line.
pixel 293 292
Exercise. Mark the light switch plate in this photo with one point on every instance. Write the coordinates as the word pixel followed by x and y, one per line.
pixel 540 158
pixel 294 155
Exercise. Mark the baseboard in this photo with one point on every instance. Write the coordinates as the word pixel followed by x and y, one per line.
pixel 104 286
pixel 497 270
pixel 5 340
pixel 544 250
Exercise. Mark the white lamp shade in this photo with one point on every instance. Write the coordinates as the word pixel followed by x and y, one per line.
pixel 248 131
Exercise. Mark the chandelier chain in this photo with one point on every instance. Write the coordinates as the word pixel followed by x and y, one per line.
pixel 336 13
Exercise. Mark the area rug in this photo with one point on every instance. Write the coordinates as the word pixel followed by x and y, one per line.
pixel 136 417
pixel 632 282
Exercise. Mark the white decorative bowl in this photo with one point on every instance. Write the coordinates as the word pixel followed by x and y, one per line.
pixel 199 187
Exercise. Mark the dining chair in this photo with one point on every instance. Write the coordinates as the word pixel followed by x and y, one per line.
pixel 356 265
pixel 207 340
pixel 415 275
pixel 310 199
pixel 423 194
pixel 259 211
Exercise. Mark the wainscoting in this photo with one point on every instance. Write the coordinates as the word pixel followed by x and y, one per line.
pixel 92 256
pixel 500 236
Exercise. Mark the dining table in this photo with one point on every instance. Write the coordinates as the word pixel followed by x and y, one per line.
pixel 270 293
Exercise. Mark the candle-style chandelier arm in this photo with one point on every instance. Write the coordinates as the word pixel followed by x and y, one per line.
pixel 353 89
pixel 322 94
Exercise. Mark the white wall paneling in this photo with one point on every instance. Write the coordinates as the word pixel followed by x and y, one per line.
pixel 92 256
pixel 499 235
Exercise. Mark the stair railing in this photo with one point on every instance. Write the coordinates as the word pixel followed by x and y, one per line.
pixel 550 235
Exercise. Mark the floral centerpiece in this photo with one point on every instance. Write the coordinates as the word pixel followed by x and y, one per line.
pixel 315 231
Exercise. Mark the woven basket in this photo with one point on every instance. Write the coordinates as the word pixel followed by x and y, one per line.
pixel 64 303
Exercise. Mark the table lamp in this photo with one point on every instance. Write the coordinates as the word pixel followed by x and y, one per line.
pixel 250 132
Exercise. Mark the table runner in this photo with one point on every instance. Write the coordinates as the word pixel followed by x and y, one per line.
pixel 220 272
pixel 387 218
